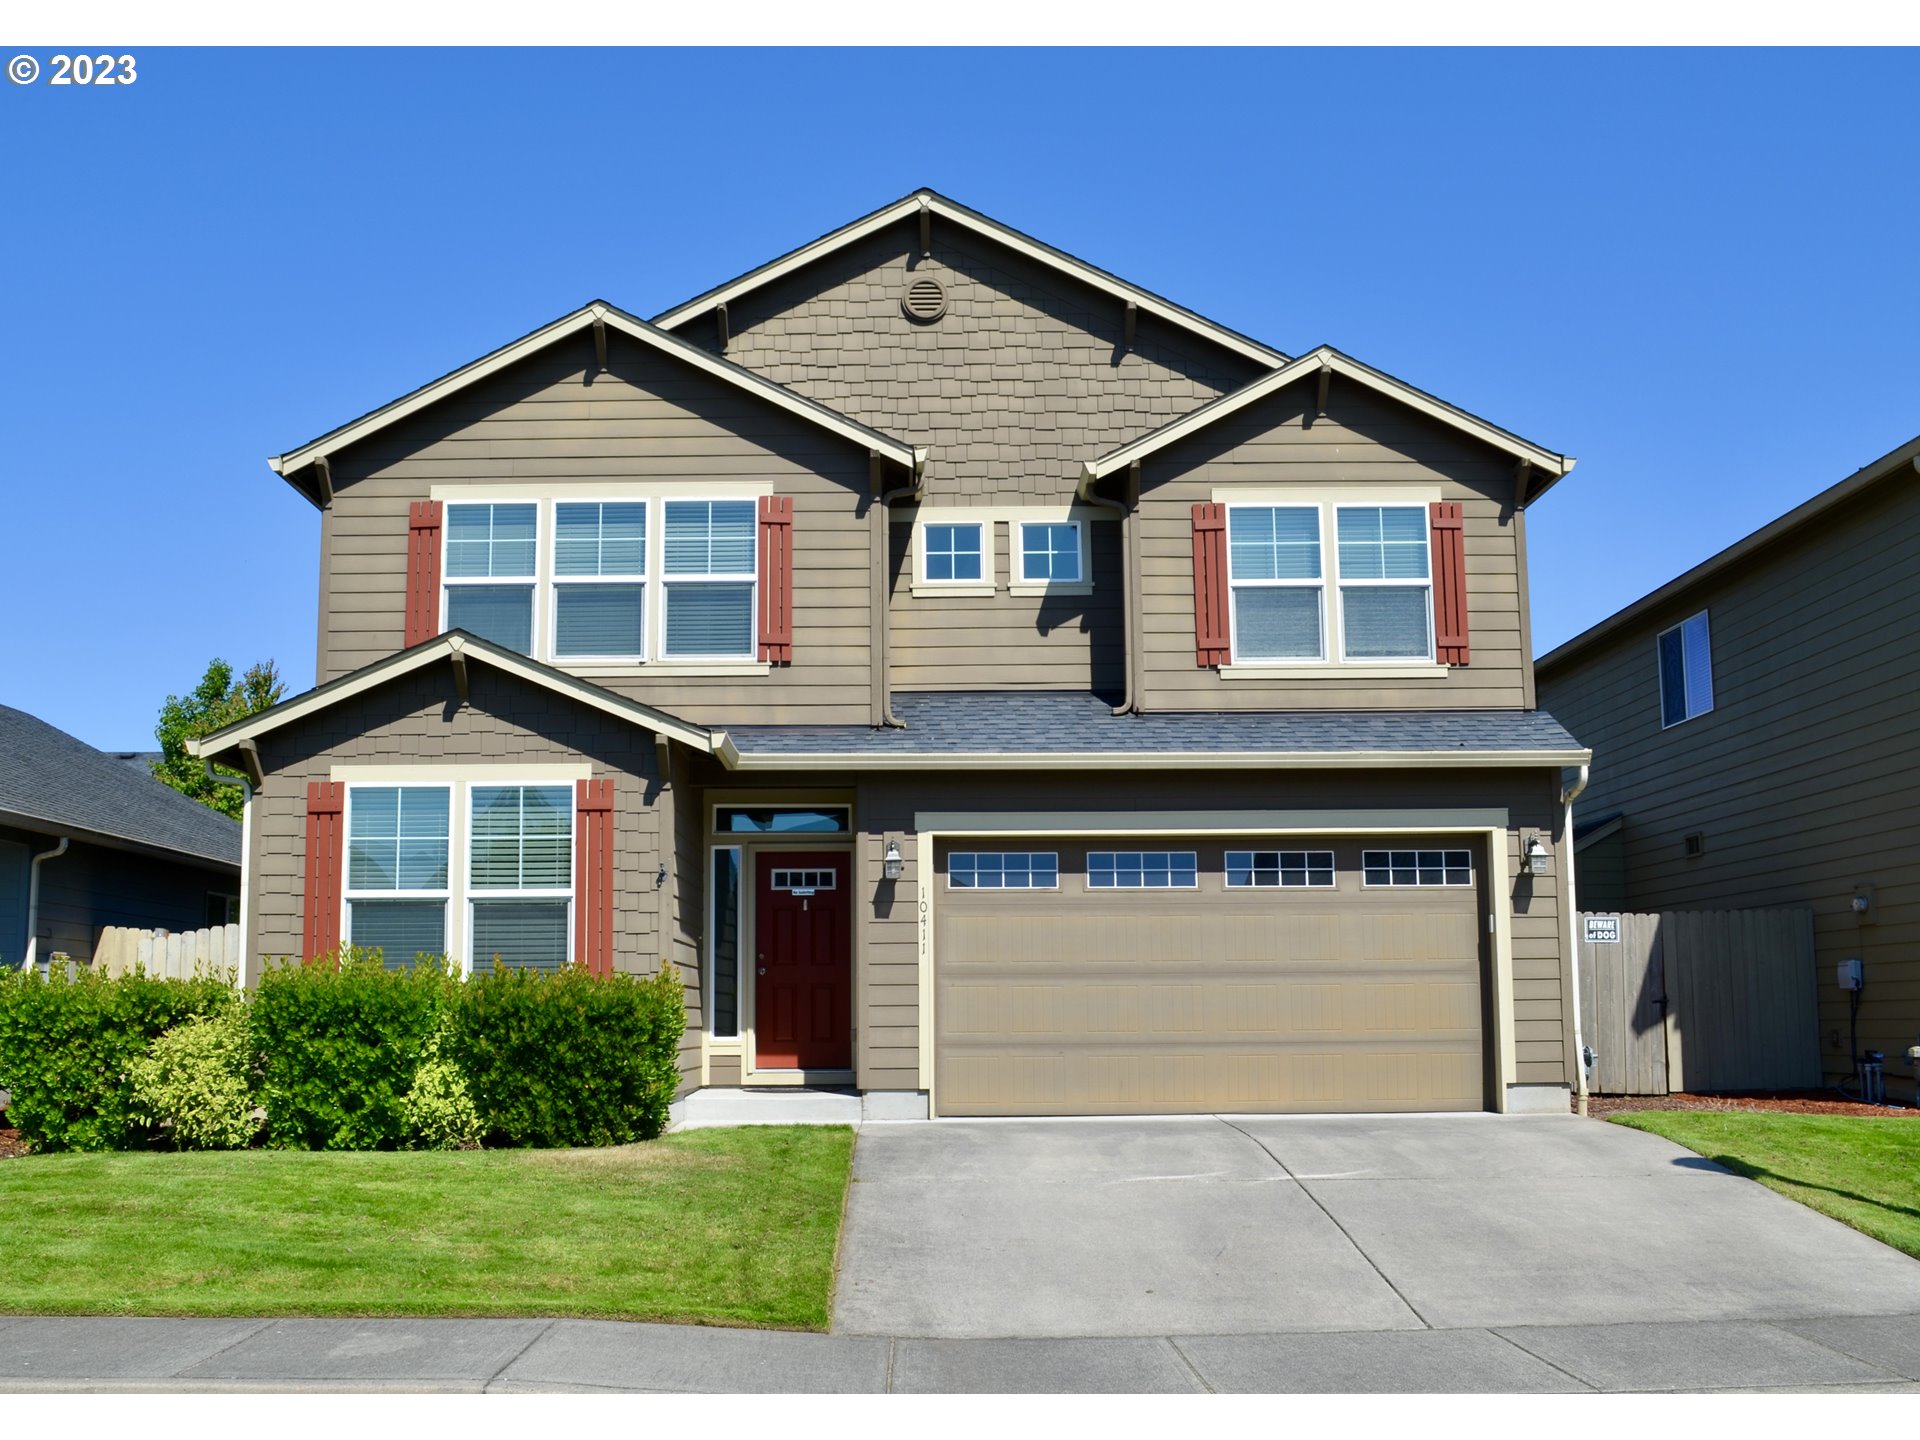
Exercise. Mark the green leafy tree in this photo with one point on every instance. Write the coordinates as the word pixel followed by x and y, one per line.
pixel 216 701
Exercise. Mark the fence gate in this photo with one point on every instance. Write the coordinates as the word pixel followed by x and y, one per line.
pixel 1699 1000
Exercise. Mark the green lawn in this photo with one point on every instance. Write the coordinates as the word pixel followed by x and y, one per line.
pixel 727 1227
pixel 1863 1171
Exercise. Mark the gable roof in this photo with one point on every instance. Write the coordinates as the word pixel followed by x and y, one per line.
pixel 594 312
pixel 57 784
pixel 1326 358
pixel 956 213
pixel 1901 461
pixel 462 646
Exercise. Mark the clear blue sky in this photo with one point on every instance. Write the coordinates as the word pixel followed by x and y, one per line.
pixel 1693 270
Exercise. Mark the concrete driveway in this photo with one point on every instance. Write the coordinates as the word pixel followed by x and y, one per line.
pixel 1247 1225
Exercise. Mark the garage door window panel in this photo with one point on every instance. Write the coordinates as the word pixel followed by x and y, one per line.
pixel 1422 869
pixel 1003 870
pixel 1279 869
pixel 1143 870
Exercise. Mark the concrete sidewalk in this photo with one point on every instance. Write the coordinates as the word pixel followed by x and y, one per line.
pixel 68 1354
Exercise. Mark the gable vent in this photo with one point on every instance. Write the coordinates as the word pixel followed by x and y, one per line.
pixel 926 299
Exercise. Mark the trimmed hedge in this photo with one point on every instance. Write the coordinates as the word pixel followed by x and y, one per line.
pixel 336 1053
pixel 68 1045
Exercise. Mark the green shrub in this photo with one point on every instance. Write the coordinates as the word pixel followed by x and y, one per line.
pixel 68 1044
pixel 569 1058
pixel 339 1044
pixel 194 1085
pixel 440 1113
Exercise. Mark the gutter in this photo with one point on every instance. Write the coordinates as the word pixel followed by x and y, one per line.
pixel 33 901
pixel 882 592
pixel 1160 759
pixel 1570 791
pixel 1128 641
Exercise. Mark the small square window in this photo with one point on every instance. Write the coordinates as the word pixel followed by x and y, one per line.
pixel 1050 553
pixel 951 553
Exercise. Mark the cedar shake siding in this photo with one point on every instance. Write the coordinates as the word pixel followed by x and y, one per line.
pixel 550 420
pixel 1804 778
pixel 1026 376
pixel 1364 439
pixel 417 720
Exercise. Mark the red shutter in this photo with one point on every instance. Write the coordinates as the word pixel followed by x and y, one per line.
pixel 593 875
pixel 1449 543
pixel 776 578
pixel 326 849
pixel 423 571
pixel 1210 634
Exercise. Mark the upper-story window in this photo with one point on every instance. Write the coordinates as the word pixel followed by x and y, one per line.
pixel 951 553
pixel 492 554
pixel 1273 565
pixel 1385 590
pixel 1686 670
pixel 599 580
pixel 1050 552
pixel 709 576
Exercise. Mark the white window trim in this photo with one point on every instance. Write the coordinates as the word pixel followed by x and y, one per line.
pixel 657 557
pixel 645 580
pixel 1686 671
pixel 472 893
pixel 539 580
pixel 460 778
pixel 348 894
pixel 1332 867
pixel 1340 583
pixel 1087 871
pixel 1053 855
pixel 1366 884
pixel 737 1039
pixel 1019 584
pixel 1320 584
pixel 989 557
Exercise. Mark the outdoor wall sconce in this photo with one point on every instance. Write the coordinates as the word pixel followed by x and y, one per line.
pixel 893 864
pixel 1539 858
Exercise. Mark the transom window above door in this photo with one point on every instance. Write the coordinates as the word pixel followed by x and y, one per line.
pixel 951 554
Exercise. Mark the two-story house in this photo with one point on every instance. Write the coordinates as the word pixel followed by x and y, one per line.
pixel 992 685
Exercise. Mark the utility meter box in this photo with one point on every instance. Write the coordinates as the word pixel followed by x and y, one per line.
pixel 1849 974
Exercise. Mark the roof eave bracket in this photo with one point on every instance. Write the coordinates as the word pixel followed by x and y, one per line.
pixel 323 481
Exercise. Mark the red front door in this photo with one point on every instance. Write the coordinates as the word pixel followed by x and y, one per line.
pixel 803 962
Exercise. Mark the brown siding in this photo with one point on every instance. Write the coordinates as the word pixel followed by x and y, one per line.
pixel 650 418
pixel 1005 641
pixel 1805 777
pixel 1025 377
pixel 1365 438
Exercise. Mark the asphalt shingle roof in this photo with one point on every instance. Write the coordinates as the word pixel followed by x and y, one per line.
pixel 1058 722
pixel 47 775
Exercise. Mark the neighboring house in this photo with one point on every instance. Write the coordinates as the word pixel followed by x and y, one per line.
pixel 1755 743
pixel 88 838
pixel 991 684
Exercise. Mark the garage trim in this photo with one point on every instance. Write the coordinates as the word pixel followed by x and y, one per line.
pixel 932 828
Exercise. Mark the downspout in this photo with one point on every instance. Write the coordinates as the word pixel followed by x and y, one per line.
pixel 33 901
pixel 1570 792
pixel 882 590
pixel 246 863
pixel 1125 512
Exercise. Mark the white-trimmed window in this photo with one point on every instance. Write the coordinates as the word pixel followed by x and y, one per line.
pixel 491 559
pixel 1386 589
pixel 1421 868
pixel 1283 869
pixel 710 578
pixel 953 553
pixel 1277 579
pixel 1686 670
pixel 1051 552
pixel 397 882
pixel 520 876
pixel 1143 870
pixel 1003 870
pixel 600 580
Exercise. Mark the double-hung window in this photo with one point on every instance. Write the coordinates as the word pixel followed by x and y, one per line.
pixel 489 575
pixel 1274 569
pixel 1686 671
pixel 1386 593
pixel 709 577
pixel 951 553
pixel 397 890
pixel 599 580
pixel 520 876
pixel 1050 552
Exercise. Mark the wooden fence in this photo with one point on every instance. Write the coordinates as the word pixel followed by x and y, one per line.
pixel 1699 1000
pixel 177 955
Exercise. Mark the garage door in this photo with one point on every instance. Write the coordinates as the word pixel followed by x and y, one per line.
pixel 1169 976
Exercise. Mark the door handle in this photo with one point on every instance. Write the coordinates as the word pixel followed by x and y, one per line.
pixel 763 969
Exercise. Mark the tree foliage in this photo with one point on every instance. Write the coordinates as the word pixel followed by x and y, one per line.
pixel 216 701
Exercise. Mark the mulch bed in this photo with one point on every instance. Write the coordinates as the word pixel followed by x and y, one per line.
pixel 11 1144
pixel 1779 1102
